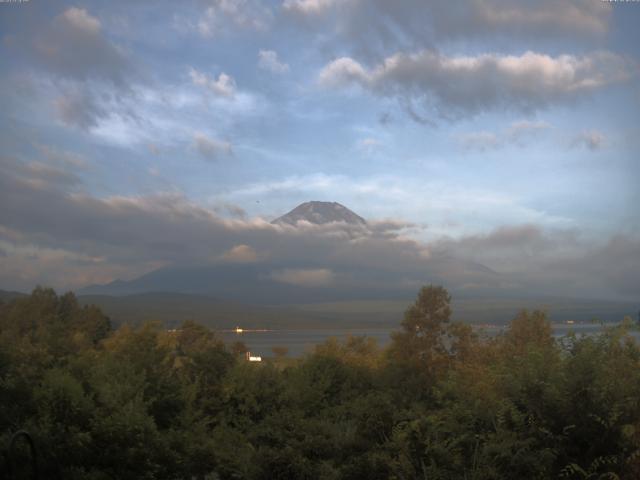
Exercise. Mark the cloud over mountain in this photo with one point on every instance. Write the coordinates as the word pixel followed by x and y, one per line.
pixel 140 136
pixel 132 235
pixel 320 213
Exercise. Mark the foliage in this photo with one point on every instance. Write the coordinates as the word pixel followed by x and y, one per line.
pixel 440 402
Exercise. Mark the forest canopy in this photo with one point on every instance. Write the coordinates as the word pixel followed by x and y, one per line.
pixel 441 402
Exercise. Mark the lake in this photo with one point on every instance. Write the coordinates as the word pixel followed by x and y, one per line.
pixel 299 342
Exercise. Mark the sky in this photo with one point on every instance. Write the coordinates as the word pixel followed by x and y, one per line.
pixel 141 134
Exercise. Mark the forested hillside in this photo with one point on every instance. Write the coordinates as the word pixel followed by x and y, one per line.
pixel 439 403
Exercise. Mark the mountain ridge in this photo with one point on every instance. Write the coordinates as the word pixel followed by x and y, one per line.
pixel 282 281
pixel 319 213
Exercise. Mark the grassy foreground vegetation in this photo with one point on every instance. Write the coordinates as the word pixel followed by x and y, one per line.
pixel 438 403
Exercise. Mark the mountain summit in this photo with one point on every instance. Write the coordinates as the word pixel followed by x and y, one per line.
pixel 320 213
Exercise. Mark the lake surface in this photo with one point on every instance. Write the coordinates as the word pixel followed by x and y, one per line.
pixel 303 341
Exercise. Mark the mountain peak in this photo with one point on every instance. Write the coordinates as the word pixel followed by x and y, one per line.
pixel 320 213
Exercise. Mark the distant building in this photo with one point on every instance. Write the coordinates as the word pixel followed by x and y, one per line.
pixel 251 358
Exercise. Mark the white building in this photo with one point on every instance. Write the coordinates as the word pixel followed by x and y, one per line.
pixel 251 358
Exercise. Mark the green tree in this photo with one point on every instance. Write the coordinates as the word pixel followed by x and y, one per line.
pixel 419 351
pixel 280 351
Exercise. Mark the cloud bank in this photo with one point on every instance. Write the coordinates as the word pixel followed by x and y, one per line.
pixel 462 85
pixel 52 232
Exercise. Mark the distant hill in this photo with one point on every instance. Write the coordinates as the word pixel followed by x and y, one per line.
pixel 320 213
pixel 247 284
pixel 7 295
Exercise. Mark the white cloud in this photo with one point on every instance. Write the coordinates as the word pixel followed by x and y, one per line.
pixel 592 140
pixel 240 254
pixel 342 72
pixel 224 85
pixel 163 115
pixel 211 148
pixel 369 144
pixel 481 141
pixel 268 60
pixel 519 133
pixel 433 199
pixel 308 7
pixel 470 84
pixel 520 130
pixel 221 14
pixel 316 277
pixel 79 18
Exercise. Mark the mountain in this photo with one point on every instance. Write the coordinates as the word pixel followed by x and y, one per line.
pixel 248 283
pixel 320 213
pixel 281 281
pixel 7 296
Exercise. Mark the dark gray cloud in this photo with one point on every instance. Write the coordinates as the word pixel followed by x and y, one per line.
pixel 49 174
pixel 554 262
pixel 310 277
pixel 232 210
pixel 394 49
pixel 96 239
pixel 73 45
pixel 63 158
pixel 371 28
pixel 68 59
pixel 40 173
pixel 211 148
pixel 79 108
pixel 513 246
pixel 168 229
pixel 460 85
pixel 619 263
